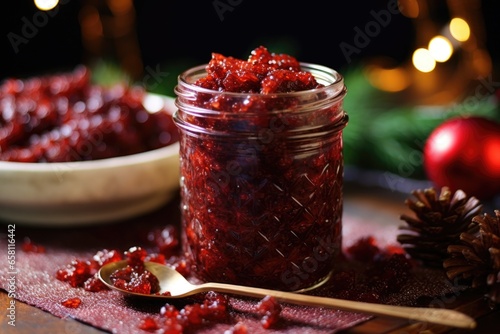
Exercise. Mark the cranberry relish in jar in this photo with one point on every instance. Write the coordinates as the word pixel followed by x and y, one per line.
pixel 261 169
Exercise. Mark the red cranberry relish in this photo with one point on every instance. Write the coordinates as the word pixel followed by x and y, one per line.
pixel 83 273
pixel 263 72
pixel 71 302
pixel 63 117
pixel 135 277
pixel 211 309
pixel 382 272
pixel 30 246
pixel 261 180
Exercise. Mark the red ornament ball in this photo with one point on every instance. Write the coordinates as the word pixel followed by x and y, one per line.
pixel 464 153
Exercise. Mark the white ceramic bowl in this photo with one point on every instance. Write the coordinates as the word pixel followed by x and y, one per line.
pixel 89 192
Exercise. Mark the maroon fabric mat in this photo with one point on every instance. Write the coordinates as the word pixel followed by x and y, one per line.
pixel 108 310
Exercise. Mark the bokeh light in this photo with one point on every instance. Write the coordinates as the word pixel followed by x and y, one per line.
pixel 388 79
pixel 440 48
pixel 459 29
pixel 409 8
pixel 46 4
pixel 423 60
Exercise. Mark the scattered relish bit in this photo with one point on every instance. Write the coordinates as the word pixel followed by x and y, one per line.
pixel 94 284
pixel 82 273
pixel 75 273
pixel 239 328
pixel 169 311
pixel 29 246
pixel 364 249
pixel 71 302
pixel 270 310
pixel 105 256
pixel 149 324
pixel 212 309
pixel 385 271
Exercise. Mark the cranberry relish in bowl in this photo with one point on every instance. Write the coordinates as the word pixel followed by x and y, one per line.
pixel 261 169
pixel 73 152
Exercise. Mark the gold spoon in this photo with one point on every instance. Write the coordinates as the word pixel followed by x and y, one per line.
pixel 173 282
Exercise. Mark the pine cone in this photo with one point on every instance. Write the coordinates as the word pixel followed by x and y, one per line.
pixel 476 258
pixel 439 222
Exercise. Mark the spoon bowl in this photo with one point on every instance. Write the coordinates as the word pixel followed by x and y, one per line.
pixel 178 287
pixel 170 280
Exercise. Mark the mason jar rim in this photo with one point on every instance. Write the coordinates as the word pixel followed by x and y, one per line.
pixel 321 73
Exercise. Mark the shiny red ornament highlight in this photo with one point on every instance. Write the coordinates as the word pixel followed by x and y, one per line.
pixel 464 153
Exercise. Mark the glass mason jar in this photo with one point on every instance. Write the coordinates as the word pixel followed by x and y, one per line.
pixel 261 181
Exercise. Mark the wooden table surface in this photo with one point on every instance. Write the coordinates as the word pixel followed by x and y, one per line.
pixel 373 202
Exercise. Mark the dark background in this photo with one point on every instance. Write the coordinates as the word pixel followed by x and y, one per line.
pixel 185 33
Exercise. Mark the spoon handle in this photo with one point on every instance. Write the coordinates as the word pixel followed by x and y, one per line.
pixel 432 315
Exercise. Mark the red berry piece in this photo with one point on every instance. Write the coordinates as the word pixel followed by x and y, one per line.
pixel 135 258
pixel 260 55
pixel 71 302
pixel 94 284
pixel 239 328
pixel 158 258
pixel 364 249
pixel 284 81
pixel 169 311
pixel 180 264
pixel 106 256
pixel 149 324
pixel 215 306
pixel 166 240
pixel 191 315
pixel 270 310
pixel 263 72
pixel 30 247
pixel 76 273
pixel 146 283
